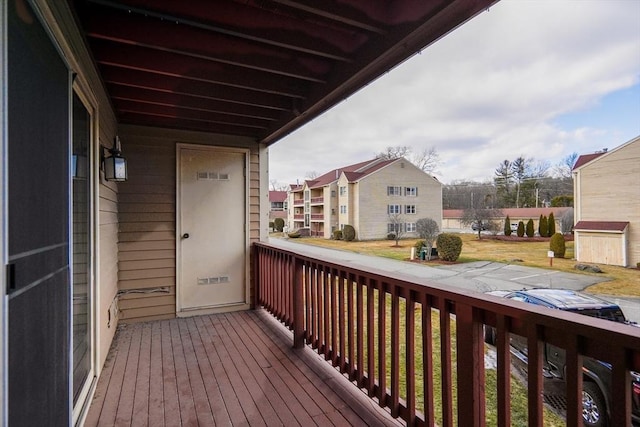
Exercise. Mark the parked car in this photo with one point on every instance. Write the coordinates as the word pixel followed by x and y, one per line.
pixel 596 388
pixel 479 226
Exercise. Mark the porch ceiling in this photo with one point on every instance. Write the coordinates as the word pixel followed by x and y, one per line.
pixel 256 68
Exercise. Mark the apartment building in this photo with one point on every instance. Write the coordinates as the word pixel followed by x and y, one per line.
pixel 366 195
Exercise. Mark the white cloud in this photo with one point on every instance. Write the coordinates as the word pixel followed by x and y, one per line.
pixel 490 90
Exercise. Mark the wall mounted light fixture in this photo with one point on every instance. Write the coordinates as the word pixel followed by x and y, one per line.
pixel 115 166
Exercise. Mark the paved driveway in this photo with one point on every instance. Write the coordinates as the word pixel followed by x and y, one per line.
pixel 480 276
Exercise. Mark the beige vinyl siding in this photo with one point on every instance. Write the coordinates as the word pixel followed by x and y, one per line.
pixel 608 189
pixel 373 200
pixel 147 213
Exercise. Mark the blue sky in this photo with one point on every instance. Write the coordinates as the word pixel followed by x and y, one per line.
pixel 537 78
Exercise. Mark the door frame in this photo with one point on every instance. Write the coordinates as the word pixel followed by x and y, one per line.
pixel 180 312
pixel 79 412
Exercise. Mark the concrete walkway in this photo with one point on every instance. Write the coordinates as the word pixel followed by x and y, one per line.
pixel 480 276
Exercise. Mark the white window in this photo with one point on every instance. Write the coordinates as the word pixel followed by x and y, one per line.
pixel 343 190
pixel 394 227
pixel 393 209
pixel 343 209
pixel 333 193
pixel 411 191
pixel 307 195
pixel 394 191
pixel 410 209
pixel 410 227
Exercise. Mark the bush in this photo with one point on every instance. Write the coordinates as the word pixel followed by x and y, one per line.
pixel 556 244
pixel 419 244
pixel 279 223
pixel 530 230
pixel 520 231
pixel 271 225
pixel 391 236
pixel 507 226
pixel 551 225
pixel 337 234
pixel 449 246
pixel 349 233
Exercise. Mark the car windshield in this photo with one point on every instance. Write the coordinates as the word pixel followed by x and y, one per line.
pixel 615 314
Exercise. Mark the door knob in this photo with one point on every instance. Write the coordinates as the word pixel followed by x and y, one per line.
pixel 185 236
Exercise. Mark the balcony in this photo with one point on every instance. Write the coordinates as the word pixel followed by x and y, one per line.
pixel 298 217
pixel 317 217
pixel 317 200
pixel 240 367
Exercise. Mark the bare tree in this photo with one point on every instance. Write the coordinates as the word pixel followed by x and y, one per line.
pixel 311 175
pixel 427 160
pixel 278 186
pixel 565 166
pixel 428 230
pixel 481 219
pixel 566 221
pixel 397 227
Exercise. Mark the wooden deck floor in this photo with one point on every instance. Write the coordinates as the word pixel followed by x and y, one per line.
pixel 227 369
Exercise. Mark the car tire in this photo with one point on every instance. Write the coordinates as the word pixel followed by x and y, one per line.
pixel 594 408
pixel 490 335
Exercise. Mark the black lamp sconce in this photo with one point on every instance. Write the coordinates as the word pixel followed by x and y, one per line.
pixel 115 166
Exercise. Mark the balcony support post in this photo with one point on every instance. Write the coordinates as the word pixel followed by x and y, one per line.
pixel 298 303
pixel 471 368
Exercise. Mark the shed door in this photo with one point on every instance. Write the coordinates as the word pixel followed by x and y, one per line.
pixel 212 263
pixel 39 300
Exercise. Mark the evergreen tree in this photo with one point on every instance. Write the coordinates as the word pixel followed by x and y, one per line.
pixel 507 226
pixel 530 229
pixel 552 225
pixel 543 228
pixel 520 229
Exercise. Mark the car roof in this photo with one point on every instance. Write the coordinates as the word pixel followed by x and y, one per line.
pixel 566 299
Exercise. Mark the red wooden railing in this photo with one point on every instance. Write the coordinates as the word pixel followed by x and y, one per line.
pixel 315 200
pixel 298 202
pixel 317 216
pixel 348 314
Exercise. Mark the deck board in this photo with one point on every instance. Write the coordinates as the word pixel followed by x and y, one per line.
pixel 223 370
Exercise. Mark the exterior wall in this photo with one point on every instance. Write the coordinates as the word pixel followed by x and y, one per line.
pixel 147 216
pixel 343 200
pixel 604 248
pixel 608 189
pixel 373 199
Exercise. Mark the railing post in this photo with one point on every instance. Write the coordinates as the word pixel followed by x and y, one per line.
pixel 470 350
pixel 298 302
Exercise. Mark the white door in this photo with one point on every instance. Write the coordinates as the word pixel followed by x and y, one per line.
pixel 211 235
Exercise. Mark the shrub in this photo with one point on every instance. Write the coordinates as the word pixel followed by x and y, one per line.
pixel 271 225
pixel 337 234
pixel 556 244
pixel 507 226
pixel 279 223
pixel 348 233
pixel 449 246
pixel 543 229
pixel 530 230
pixel 520 231
pixel 552 225
pixel 419 244
pixel 391 236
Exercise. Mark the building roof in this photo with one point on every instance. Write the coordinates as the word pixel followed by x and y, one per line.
pixel 277 196
pixel 363 168
pixel 601 225
pixel 586 158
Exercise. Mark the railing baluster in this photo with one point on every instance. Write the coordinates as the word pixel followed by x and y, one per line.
pixel 382 344
pixel 334 319
pixel 621 405
pixel 370 339
pixel 298 303
pixel 327 321
pixel 313 277
pixel 427 361
pixel 446 364
pixel 350 329
pixel 574 382
pixel 342 278
pixel 308 303
pixel 360 332
pixel 395 351
pixel 534 374
pixel 504 371
pixel 410 358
